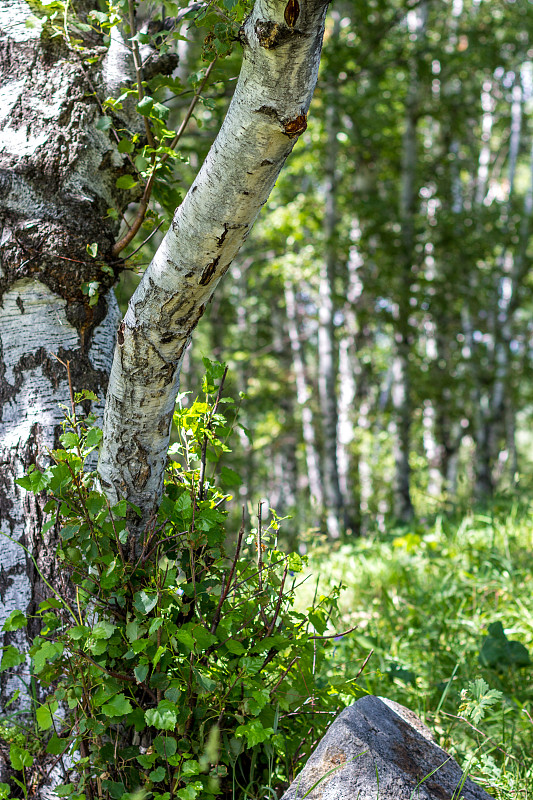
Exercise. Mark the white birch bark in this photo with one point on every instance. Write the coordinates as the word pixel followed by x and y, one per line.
pixel 303 396
pixel 352 468
pixel 327 366
pixel 282 43
pixel 401 390
pixel 57 178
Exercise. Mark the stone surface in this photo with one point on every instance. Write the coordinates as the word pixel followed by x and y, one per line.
pixel 381 750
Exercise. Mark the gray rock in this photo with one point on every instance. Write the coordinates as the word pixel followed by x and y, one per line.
pixel 379 750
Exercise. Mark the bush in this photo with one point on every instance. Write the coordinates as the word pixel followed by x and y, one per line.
pixel 178 666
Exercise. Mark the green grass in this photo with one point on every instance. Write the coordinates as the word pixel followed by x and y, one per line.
pixel 423 599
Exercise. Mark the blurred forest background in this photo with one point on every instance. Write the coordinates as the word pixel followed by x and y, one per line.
pixel 379 323
pixel 379 320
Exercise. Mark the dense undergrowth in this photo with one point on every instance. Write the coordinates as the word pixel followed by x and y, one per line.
pixel 447 611
pixel 203 662
pixel 176 667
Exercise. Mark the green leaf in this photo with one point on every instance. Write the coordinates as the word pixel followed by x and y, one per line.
pixel 141 672
pixel 5 791
pixel 65 789
pixel 229 477
pixel 116 789
pixel 254 732
pixel 94 437
pixel 144 602
pixel 19 757
pixel 35 481
pixel 118 706
pixel 11 658
pixel 103 630
pixel 69 440
pixel 52 602
pixel 160 111
pixel 164 717
pixel 44 715
pixel 146 761
pixel 120 508
pixel 125 146
pixel 92 249
pixel 56 745
pixel 104 123
pixel 132 630
pixel 191 767
pixel 204 681
pixel 173 694
pixel 68 531
pixel 15 621
pixel 141 163
pixel 145 105
pixel 190 792
pixel 186 638
pixel 235 647
pixel 126 182
pixel 158 774
pixel 202 638
pixel 166 746
pixel 47 652
pixel 498 651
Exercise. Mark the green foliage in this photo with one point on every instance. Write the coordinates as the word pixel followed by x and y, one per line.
pixel 477 698
pixel 498 652
pixel 180 660
pixel 445 609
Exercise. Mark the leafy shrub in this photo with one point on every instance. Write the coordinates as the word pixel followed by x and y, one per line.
pixel 178 666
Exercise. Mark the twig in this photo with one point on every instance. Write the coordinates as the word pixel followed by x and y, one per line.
pixel 224 594
pixel 363 665
pixel 146 240
pixel 336 635
pixel 143 205
pixel 283 674
pixel 278 605
pixel 201 493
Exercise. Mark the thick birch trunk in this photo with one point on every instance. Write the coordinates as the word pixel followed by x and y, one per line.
pixel 282 43
pixel 57 179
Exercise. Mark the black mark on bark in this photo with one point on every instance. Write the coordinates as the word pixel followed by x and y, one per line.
pixel 208 272
pixel 292 12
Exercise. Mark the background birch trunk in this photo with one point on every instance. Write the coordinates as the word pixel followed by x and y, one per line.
pixel 401 391
pixel 303 396
pixel 327 347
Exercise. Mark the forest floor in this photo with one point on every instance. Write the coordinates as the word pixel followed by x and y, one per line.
pixel 446 607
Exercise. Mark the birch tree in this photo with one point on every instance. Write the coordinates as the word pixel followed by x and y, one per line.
pixel 60 159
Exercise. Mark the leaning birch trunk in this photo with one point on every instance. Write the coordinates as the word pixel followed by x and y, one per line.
pixel 282 43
